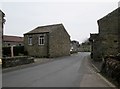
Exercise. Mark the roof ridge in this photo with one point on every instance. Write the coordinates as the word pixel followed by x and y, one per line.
pixel 48 25
pixel 45 26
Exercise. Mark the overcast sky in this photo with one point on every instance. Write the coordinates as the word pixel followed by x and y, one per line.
pixel 79 18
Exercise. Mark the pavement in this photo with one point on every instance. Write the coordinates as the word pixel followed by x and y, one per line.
pixel 71 71
pixel 97 66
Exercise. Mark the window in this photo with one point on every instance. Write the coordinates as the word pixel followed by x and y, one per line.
pixel 41 40
pixel 8 44
pixel 30 40
pixel 19 44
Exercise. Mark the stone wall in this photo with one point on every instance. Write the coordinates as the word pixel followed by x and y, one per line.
pixel 108 40
pixel 1 30
pixel 96 51
pixel 16 61
pixel 59 42
pixel 119 27
pixel 108 33
pixel 35 49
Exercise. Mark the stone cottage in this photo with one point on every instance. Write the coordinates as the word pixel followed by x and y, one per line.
pixel 2 21
pixel 47 41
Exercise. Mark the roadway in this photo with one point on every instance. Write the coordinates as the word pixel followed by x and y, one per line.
pixel 69 71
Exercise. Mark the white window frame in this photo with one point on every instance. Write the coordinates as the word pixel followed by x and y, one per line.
pixel 29 40
pixel 41 40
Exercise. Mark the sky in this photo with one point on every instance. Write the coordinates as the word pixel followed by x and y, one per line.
pixel 78 17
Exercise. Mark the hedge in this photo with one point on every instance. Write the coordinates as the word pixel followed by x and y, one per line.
pixel 111 68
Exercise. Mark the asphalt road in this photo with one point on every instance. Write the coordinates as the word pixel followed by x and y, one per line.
pixel 70 71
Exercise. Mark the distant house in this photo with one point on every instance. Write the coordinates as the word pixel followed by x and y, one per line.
pixel 47 41
pixel 74 46
pixel 12 40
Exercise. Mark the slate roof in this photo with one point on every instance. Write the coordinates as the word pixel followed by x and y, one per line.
pixel 43 29
pixel 7 38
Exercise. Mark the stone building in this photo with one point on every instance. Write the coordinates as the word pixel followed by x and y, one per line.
pixel 107 41
pixel 12 41
pixel 2 21
pixel 109 33
pixel 47 41
pixel 74 46
pixel 96 51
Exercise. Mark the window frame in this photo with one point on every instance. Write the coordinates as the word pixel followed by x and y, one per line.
pixel 30 40
pixel 41 39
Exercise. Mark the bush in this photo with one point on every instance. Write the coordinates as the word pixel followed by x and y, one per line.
pixel 111 68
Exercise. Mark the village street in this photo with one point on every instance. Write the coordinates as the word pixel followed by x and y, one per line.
pixel 70 71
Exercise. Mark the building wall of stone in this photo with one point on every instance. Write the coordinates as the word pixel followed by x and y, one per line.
pixel 96 50
pixel 59 42
pixel 35 49
pixel 1 31
pixel 119 27
pixel 108 33
pixel 0 35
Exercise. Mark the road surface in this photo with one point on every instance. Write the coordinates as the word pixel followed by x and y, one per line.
pixel 70 71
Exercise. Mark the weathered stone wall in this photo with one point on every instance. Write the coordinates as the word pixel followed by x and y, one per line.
pixel 1 31
pixel 59 42
pixel 108 34
pixel 35 49
pixel 119 28
pixel 96 51
pixel 16 61
pixel 107 46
